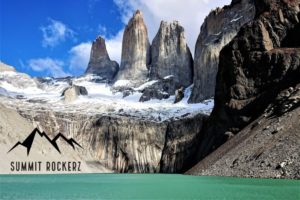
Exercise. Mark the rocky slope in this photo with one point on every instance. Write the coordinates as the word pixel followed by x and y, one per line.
pixel 5 67
pixel 100 62
pixel 170 55
pixel 266 148
pixel 218 29
pixel 135 50
pixel 259 70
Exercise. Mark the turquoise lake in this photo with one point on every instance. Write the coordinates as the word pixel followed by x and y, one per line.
pixel 144 186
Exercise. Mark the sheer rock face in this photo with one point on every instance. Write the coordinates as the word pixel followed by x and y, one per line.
pixel 100 62
pixel 135 50
pixel 218 29
pixel 255 67
pixel 170 55
pixel 71 93
pixel 127 144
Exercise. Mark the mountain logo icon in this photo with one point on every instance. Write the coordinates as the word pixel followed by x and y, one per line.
pixel 27 143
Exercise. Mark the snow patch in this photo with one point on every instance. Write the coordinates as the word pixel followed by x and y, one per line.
pixel 145 85
pixel 122 83
pixel 217 34
pixel 236 19
pixel 168 77
pixel 100 99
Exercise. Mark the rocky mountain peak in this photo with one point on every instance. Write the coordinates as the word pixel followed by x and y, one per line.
pixel 174 23
pixel 135 50
pixel 99 49
pixel 100 62
pixel 138 13
pixel 170 55
pixel 137 19
pixel 218 29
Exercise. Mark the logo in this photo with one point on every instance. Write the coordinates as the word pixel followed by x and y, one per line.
pixel 27 143
pixel 48 166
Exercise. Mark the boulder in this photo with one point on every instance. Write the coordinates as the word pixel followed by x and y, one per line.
pixel 71 93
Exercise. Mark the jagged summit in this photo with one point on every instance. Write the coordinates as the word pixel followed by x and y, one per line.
pixel 136 17
pixel 170 55
pixel 135 50
pixel 99 49
pixel 172 23
pixel 100 62
pixel 138 12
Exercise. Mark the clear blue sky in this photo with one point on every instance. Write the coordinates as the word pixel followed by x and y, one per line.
pixel 32 29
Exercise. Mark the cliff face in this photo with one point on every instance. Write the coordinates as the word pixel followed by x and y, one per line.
pixel 124 143
pixel 258 74
pixel 170 55
pixel 100 62
pixel 135 50
pixel 218 29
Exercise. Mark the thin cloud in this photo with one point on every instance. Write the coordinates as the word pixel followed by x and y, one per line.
pixel 51 67
pixel 79 57
pixel 114 46
pixel 55 33
pixel 102 30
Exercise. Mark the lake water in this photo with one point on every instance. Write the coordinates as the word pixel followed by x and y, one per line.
pixel 144 186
